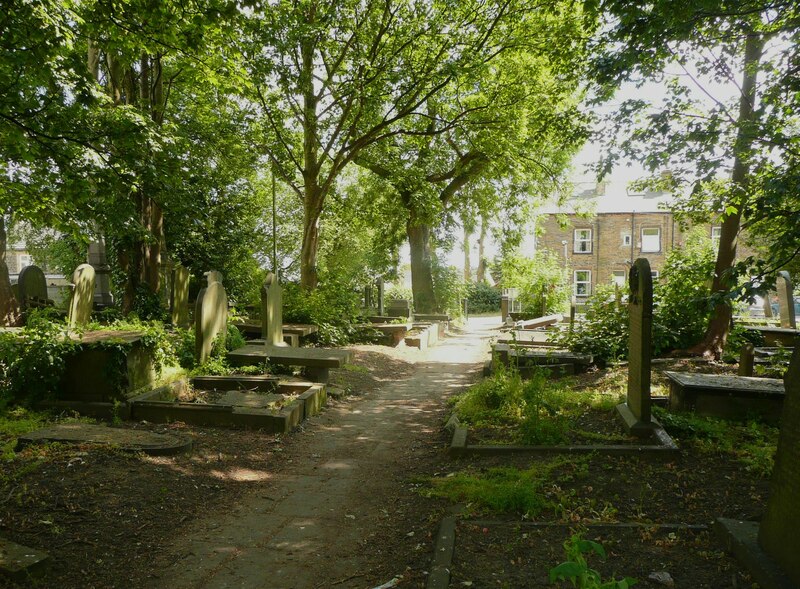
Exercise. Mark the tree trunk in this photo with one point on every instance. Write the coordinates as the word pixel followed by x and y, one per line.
pixel 467 262
pixel 313 195
pixel 9 306
pixel 310 246
pixel 480 275
pixel 719 326
pixel 421 266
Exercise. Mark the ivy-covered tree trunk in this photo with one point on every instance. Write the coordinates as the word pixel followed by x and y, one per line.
pixel 313 193
pixel 9 307
pixel 719 326
pixel 480 273
pixel 467 261
pixel 419 241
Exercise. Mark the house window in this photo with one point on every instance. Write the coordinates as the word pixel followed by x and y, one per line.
pixel 583 283
pixel 651 239
pixel 583 241
pixel 618 278
pixel 716 234
pixel 626 240
pixel 654 274
pixel 24 261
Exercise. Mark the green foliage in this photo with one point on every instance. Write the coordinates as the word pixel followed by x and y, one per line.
pixel 541 280
pixel 14 423
pixel 450 289
pixel 483 298
pixel 332 307
pixel 502 490
pixel 32 361
pixel 147 305
pixel 153 337
pixel 604 330
pixel 751 443
pixel 576 569
pixel 738 337
pixel 681 295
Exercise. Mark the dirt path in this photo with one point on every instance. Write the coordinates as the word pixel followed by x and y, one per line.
pixel 333 514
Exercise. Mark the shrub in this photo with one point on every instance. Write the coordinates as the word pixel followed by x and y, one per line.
pixel 604 330
pixel 450 289
pixel 332 307
pixel 541 280
pixel 482 298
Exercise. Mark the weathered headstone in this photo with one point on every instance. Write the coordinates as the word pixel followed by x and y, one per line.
pixel 82 299
pixel 767 306
pixel 179 297
pixel 573 304
pixel 368 297
pixel 213 276
pixel 210 320
pixel 380 296
pixel 778 532
pixel 399 308
pixel 635 412
pixel 746 360
pixel 32 287
pixel 504 305
pixel 97 258
pixel 272 311
pixel 786 300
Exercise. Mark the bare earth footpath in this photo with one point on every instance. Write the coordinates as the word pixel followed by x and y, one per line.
pixel 339 512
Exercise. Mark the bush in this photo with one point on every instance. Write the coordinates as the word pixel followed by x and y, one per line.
pixel 483 298
pixel 541 280
pixel 450 290
pixel 331 307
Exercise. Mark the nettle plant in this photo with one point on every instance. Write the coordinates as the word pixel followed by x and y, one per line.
pixel 576 569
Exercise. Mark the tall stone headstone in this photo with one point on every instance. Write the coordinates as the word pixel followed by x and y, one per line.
pixel 179 297
pixel 767 306
pixel 272 311
pixel 102 284
pixel 746 360
pixel 381 307
pixel 32 287
pixel 786 300
pixel 82 299
pixel 368 298
pixel 210 320
pixel 778 533
pixel 573 310
pixel 504 304
pixel 635 412
pixel 213 276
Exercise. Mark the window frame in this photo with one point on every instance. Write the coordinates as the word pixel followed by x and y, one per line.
pixel 587 241
pixel 642 246
pixel 624 280
pixel 587 282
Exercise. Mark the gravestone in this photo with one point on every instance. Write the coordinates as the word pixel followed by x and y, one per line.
pixel 213 276
pixel 82 299
pixel 399 308
pixel 635 412
pixel 380 296
pixel 786 300
pixel 97 258
pixel 504 305
pixel 777 534
pixel 572 311
pixel 368 298
pixel 179 297
pixel 746 360
pixel 272 311
pixel 32 288
pixel 767 304
pixel 210 320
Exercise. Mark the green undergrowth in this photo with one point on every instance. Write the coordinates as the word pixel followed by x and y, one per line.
pixel 508 490
pixel 540 410
pixel 17 421
pixel 751 443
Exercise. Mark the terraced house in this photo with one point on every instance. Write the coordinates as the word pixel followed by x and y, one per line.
pixel 599 233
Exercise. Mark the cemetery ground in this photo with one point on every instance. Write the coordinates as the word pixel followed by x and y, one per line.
pixel 355 496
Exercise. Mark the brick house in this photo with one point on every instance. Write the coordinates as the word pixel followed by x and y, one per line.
pixel 602 234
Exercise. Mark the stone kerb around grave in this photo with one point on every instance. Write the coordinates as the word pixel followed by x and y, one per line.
pixel 82 299
pixel 635 412
pixel 272 311
pixel 211 320
pixel 32 287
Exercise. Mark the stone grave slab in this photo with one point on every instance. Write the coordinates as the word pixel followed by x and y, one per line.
pixel 21 563
pixel 126 439
pixel 539 322
pixel 398 308
pixel 774 336
pixel 82 300
pixel 316 361
pixel 726 395
pixel 252 400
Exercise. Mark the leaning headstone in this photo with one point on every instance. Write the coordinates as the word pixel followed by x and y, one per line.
pixel 179 297
pixel 213 276
pixel 380 296
pixel 82 299
pixel 767 306
pixel 635 412
pixel 272 311
pixel 210 320
pixel 32 288
pixel 786 300
pixel 778 532
pixel 746 360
